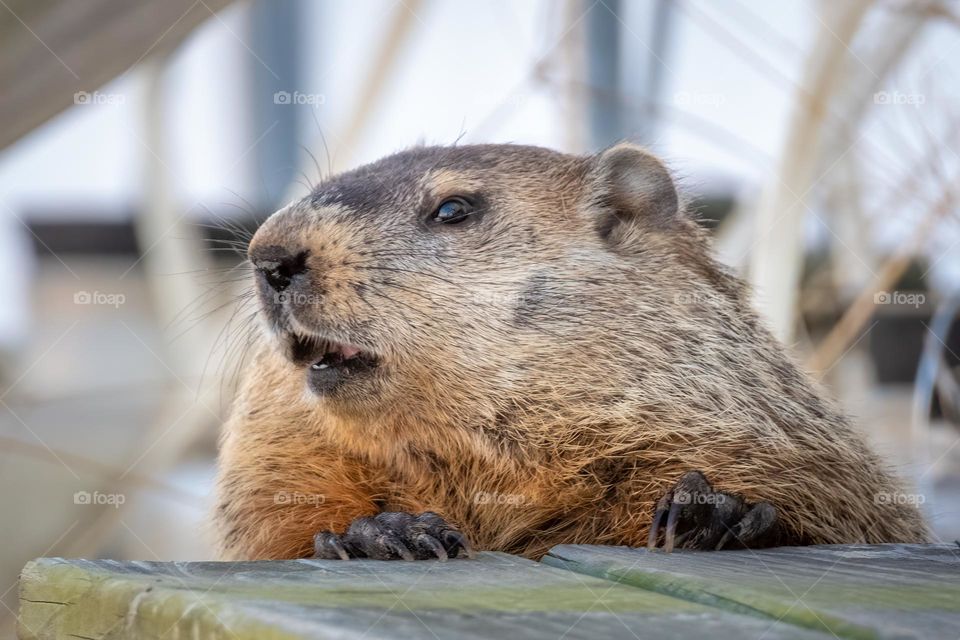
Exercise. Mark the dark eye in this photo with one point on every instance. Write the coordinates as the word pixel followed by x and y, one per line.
pixel 452 211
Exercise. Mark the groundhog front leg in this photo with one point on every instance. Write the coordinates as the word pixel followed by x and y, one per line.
pixel 694 515
pixel 272 506
pixel 393 536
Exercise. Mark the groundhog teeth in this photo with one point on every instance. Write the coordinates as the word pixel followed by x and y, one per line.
pixel 335 354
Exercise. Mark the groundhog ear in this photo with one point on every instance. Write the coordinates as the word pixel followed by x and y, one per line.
pixel 631 185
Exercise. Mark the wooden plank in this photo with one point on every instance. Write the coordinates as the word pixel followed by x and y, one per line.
pixel 854 591
pixel 52 49
pixel 496 595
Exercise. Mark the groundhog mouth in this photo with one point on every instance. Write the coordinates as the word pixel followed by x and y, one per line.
pixel 329 364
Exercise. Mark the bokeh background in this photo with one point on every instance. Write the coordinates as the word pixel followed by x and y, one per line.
pixel 141 140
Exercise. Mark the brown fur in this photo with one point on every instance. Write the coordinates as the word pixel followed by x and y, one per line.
pixel 547 372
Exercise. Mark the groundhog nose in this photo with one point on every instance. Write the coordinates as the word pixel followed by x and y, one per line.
pixel 278 265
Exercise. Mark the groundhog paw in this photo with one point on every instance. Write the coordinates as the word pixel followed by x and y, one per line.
pixel 698 517
pixel 394 536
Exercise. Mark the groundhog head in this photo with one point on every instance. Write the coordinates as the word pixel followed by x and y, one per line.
pixel 474 278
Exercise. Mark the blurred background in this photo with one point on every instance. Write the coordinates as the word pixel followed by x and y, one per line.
pixel 141 141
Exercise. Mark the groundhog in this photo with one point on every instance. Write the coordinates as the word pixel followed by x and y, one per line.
pixel 502 347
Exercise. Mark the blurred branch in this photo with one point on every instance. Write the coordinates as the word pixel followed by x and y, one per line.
pixel 804 92
pixel 384 61
pixel 13 446
pixel 857 315
pixel 775 264
pixel 573 17
pixel 186 416
pixel 910 185
pixel 707 129
pixel 948 390
pixel 936 10
pixel 853 261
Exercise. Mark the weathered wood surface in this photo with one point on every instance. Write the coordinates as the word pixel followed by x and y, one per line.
pixel 495 596
pixel 849 591
pixel 51 49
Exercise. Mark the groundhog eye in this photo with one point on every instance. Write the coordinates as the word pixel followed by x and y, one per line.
pixel 452 211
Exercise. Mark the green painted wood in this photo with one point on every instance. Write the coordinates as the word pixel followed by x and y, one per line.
pixel 494 596
pixel 850 591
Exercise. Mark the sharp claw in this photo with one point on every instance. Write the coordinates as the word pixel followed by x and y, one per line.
pixel 434 545
pixel 655 528
pixel 682 538
pixel 670 533
pixel 393 535
pixel 455 538
pixel 725 539
pixel 398 548
pixel 328 540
